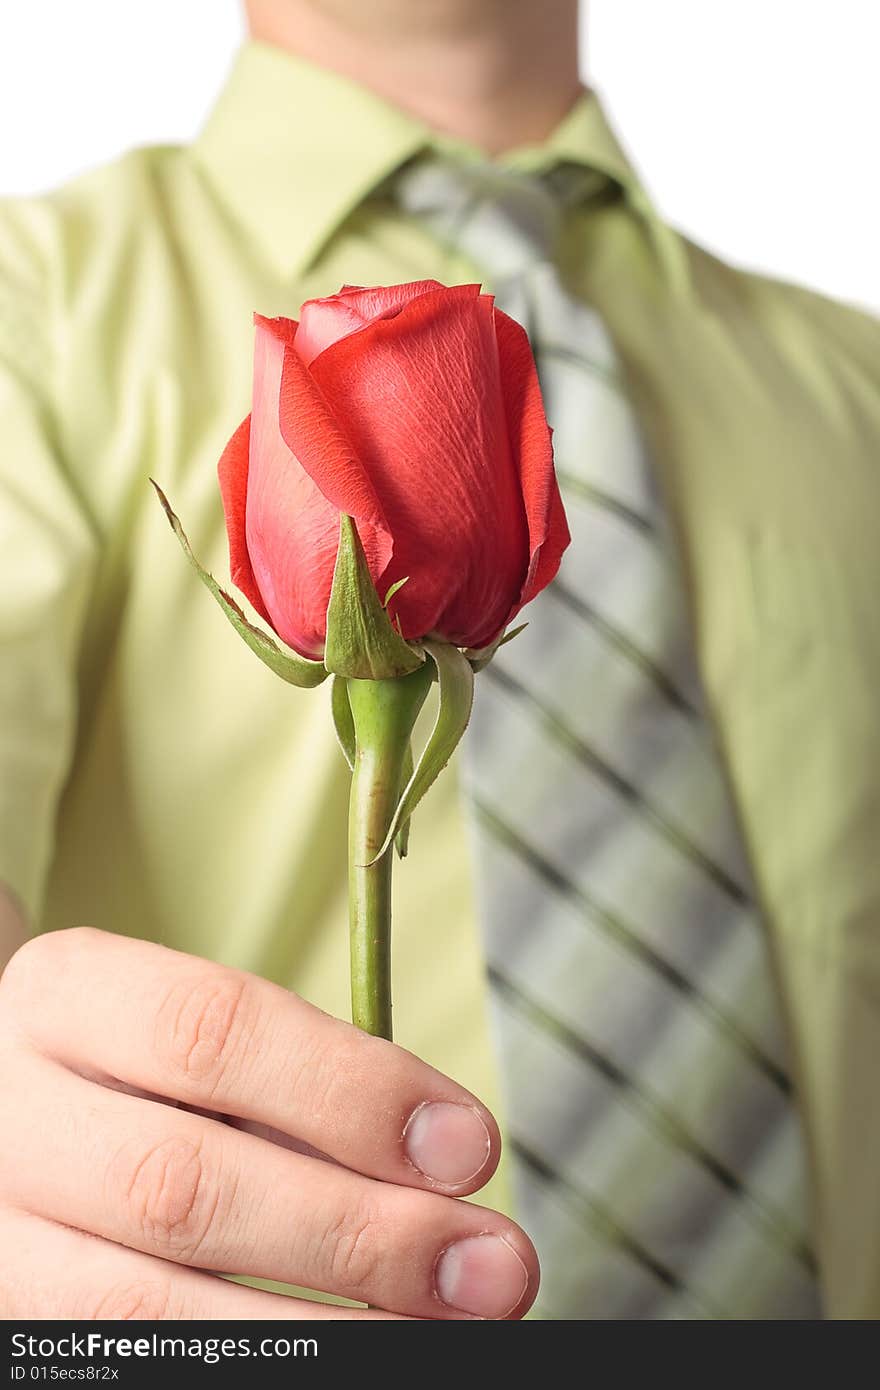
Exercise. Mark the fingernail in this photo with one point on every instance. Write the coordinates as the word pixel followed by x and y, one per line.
pixel 482 1275
pixel 448 1143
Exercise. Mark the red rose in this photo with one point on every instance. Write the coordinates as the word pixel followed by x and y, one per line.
pixel 416 410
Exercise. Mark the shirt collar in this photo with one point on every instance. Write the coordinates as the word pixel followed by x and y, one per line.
pixel 291 149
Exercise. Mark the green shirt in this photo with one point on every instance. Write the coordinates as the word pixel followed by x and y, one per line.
pixel 156 779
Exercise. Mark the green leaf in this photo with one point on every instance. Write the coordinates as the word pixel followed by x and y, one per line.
pixel 290 666
pixel 481 656
pixel 401 839
pixel 343 721
pixel 361 643
pixel 456 680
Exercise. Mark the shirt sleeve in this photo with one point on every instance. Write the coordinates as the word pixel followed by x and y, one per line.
pixel 47 559
pixel 818 812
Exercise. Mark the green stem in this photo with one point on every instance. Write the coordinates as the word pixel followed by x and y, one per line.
pixel 383 712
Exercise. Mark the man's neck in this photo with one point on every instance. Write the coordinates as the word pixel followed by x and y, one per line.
pixel 495 73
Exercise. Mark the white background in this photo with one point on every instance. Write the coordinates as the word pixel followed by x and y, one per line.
pixel 754 122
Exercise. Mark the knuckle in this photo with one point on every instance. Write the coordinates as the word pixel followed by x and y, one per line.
pixel 137 1300
pixel 24 977
pixel 353 1244
pixel 169 1200
pixel 203 1026
pixel 315 1084
pixel 334 1071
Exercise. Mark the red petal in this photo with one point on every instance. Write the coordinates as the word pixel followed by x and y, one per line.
pixel 312 432
pixel 283 329
pixel 420 397
pixel 292 528
pixel 530 440
pixel 232 470
pixel 324 321
pixel 383 301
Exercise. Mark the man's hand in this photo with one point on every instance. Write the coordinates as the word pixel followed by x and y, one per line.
pixel 194 1118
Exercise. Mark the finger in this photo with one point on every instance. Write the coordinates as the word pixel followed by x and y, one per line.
pixel 52 1272
pixel 190 1189
pixel 214 1037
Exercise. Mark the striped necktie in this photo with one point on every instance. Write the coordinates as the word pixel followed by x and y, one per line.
pixel 658 1157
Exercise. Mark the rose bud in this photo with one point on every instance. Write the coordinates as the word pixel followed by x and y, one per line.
pixel 416 410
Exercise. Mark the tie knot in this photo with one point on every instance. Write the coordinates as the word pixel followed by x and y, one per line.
pixel 503 219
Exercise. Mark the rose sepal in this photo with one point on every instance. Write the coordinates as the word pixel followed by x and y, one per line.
pixel 289 665
pixel 361 642
pixel 455 678
pixel 343 720
pixel 401 839
pixel 479 657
